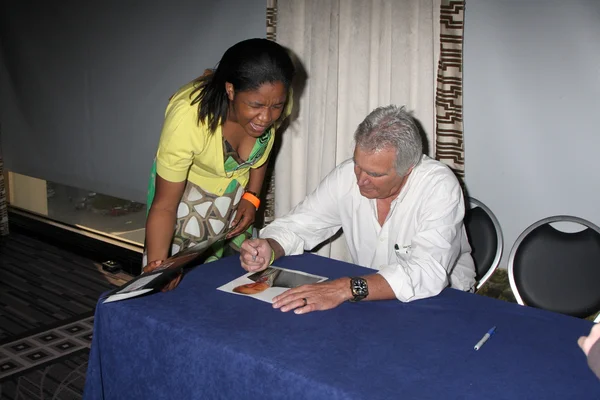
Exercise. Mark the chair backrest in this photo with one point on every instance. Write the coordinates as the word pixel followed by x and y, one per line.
pixel 555 270
pixel 485 237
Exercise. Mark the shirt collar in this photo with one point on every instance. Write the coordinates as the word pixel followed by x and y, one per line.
pixel 406 188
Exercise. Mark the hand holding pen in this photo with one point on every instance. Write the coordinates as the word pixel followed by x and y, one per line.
pixel 255 254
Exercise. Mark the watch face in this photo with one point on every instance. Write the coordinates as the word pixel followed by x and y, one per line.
pixel 359 288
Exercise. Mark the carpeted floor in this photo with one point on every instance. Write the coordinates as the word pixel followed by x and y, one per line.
pixel 498 287
pixel 47 299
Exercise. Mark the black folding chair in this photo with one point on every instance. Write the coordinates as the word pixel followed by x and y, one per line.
pixel 485 237
pixel 556 270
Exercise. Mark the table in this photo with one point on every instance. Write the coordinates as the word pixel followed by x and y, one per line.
pixel 196 342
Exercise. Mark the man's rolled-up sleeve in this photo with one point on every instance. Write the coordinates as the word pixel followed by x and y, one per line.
pixel 311 222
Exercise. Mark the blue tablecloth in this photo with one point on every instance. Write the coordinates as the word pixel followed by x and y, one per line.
pixel 197 342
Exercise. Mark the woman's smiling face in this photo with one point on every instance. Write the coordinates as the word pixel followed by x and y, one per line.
pixel 256 110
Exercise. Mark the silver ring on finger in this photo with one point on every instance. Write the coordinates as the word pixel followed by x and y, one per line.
pixel 305 302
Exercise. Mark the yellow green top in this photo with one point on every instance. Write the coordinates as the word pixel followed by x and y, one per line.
pixel 187 150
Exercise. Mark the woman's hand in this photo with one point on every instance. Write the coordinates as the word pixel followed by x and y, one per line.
pixel 153 265
pixel 244 217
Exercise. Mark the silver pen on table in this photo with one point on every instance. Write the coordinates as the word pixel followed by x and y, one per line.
pixel 485 338
pixel 254 236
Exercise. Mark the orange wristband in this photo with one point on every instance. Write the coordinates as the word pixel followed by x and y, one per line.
pixel 252 199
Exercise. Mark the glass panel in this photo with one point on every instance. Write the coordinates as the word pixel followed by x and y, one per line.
pixel 119 218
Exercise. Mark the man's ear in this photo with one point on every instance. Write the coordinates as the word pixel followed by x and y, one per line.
pixel 409 171
pixel 229 90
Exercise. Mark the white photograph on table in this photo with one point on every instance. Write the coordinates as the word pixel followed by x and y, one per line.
pixel 266 284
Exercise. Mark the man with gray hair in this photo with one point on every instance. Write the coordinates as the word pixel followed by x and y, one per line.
pixel 402 215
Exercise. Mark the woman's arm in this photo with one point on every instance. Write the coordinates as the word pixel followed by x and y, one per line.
pixel 160 224
pixel 246 212
pixel 257 176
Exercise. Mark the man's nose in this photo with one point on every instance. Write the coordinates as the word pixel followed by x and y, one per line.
pixel 362 178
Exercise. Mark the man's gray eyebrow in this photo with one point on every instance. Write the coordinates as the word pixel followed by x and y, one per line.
pixel 370 172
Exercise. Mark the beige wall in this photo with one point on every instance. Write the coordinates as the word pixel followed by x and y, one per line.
pixel 27 193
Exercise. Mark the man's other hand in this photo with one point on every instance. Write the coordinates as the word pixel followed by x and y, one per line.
pixel 316 297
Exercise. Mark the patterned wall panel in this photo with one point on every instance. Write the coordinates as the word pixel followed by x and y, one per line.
pixel 449 144
pixel 272 19
pixel 269 198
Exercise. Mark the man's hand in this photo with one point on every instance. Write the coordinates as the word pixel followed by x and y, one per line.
pixel 153 265
pixel 586 342
pixel 246 212
pixel 255 254
pixel 317 297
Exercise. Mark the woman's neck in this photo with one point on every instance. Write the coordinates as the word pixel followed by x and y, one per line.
pixel 234 133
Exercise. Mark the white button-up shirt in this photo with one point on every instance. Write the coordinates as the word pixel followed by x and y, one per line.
pixel 422 246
